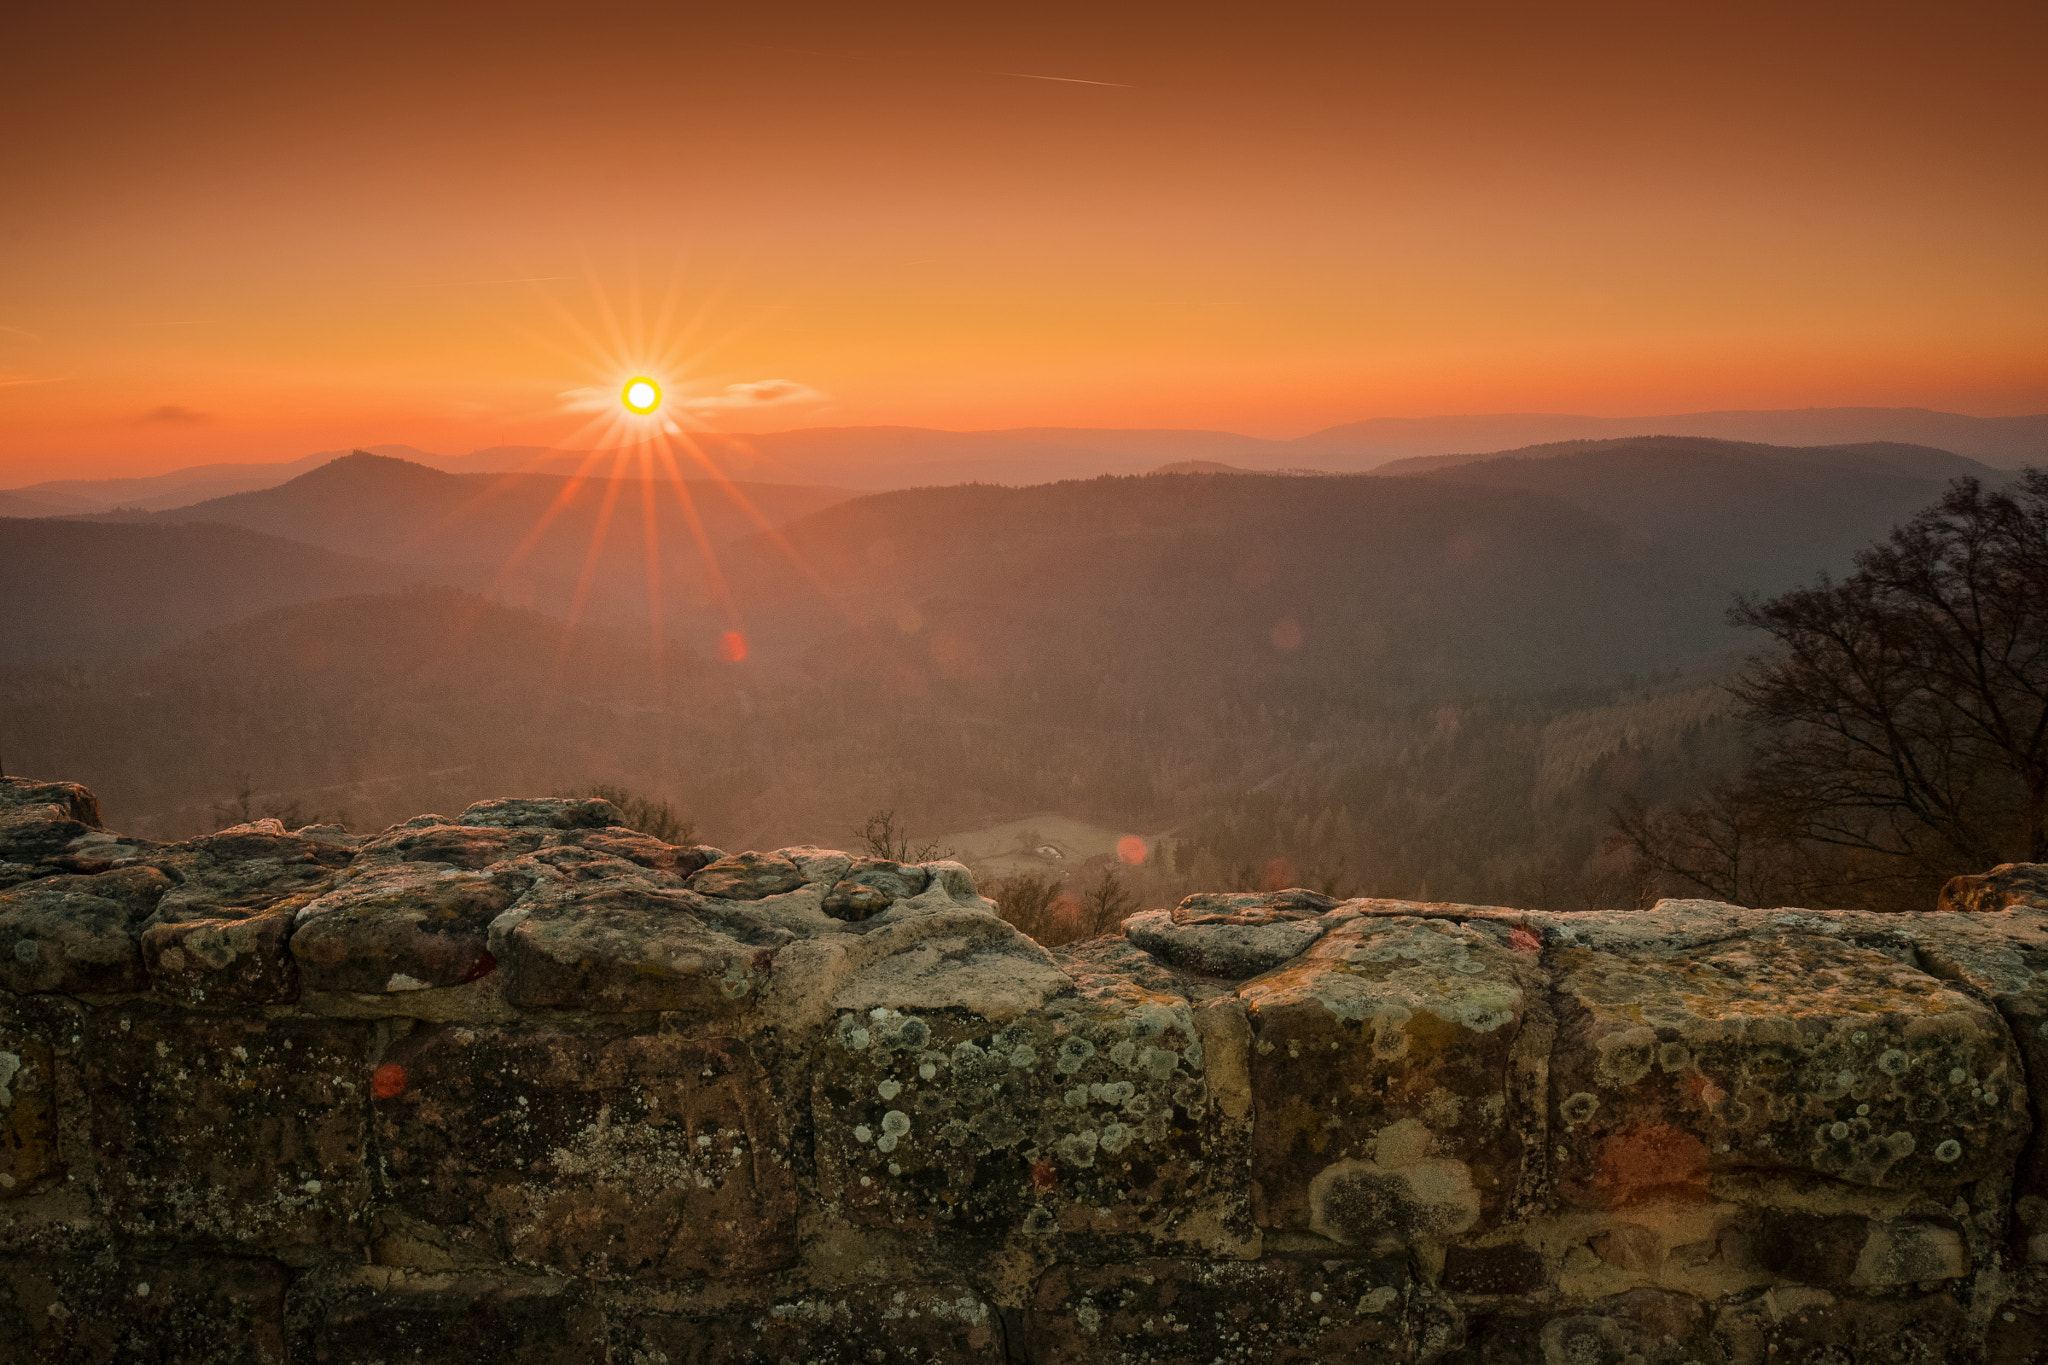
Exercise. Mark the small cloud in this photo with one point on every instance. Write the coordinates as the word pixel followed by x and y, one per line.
pixel 171 412
pixel 758 393
pixel 755 393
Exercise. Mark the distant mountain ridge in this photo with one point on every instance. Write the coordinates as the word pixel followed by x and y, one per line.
pixel 876 458
pixel 1887 457
pixel 82 592
pixel 2003 442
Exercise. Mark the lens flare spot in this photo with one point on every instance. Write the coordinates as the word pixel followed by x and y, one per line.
pixel 1131 849
pixel 387 1082
pixel 641 395
pixel 1287 634
pixel 732 647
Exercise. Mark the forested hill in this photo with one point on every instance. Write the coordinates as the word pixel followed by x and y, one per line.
pixel 79 592
pixel 1742 516
pixel 1157 588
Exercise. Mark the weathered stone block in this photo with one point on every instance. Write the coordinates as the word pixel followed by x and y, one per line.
pixel 474 847
pixel 1510 1268
pixel 1386 1075
pixel 1219 947
pixel 544 812
pixel 624 944
pixel 1059 1121
pixel 383 1317
pixel 1639 1327
pixel 853 1325
pixel 869 886
pixel 1991 954
pixel 1090 1115
pixel 79 935
pixel 1782 1050
pixel 112 1309
pixel 402 927
pixel 2017 1337
pixel 1815 1327
pixel 608 1155
pixel 215 964
pixel 225 1130
pixel 1278 1310
pixel 2003 887
pixel 39 820
pixel 34 1032
pixel 747 877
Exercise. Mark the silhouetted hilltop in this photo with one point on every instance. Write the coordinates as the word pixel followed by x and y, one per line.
pixel 1146 587
pixel 1743 515
pixel 2006 442
pixel 900 457
pixel 79 591
pixel 405 511
pixel 1873 457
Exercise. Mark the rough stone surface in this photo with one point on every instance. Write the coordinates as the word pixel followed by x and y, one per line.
pixel 242 1132
pixel 1385 1072
pixel 79 935
pixel 747 877
pixel 207 1310
pixel 858 1325
pixel 524 1085
pixel 1784 1050
pixel 1168 1312
pixel 609 1155
pixel 2004 886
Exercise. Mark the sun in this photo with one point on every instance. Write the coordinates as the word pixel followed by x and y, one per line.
pixel 641 395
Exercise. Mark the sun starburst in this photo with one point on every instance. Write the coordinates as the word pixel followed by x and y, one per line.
pixel 644 424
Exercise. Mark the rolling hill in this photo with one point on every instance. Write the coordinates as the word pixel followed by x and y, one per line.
pixel 874 458
pixel 81 592
pixel 2003 442
pixel 1743 516
pixel 559 544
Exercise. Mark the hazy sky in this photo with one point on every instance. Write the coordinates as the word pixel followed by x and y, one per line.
pixel 253 232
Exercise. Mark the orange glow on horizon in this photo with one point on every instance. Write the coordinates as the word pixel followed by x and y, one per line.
pixel 214 250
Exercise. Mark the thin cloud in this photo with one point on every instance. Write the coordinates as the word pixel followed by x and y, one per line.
pixel 882 61
pixel 457 284
pixel 171 412
pixel 8 381
pixel 752 395
pixel 758 393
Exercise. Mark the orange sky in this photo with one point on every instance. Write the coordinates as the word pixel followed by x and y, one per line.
pixel 249 233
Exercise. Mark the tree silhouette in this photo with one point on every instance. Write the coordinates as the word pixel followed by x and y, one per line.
pixel 1901 719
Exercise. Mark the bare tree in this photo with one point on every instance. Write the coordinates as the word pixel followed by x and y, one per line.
pixel 882 838
pixel 656 818
pixel 1107 903
pixel 1901 720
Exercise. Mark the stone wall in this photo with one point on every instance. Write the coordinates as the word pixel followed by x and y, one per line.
pixel 524 1086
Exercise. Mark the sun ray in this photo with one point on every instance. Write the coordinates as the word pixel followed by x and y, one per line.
pixel 598 534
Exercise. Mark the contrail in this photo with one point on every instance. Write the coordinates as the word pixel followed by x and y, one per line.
pixel 1063 80
pixel 454 284
pixel 876 61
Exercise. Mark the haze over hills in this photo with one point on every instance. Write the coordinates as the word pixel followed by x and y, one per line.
pixel 873 458
pixel 533 539
pixel 2003 442
pixel 78 592
pixel 1743 516
pixel 1439 681
pixel 1714 516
